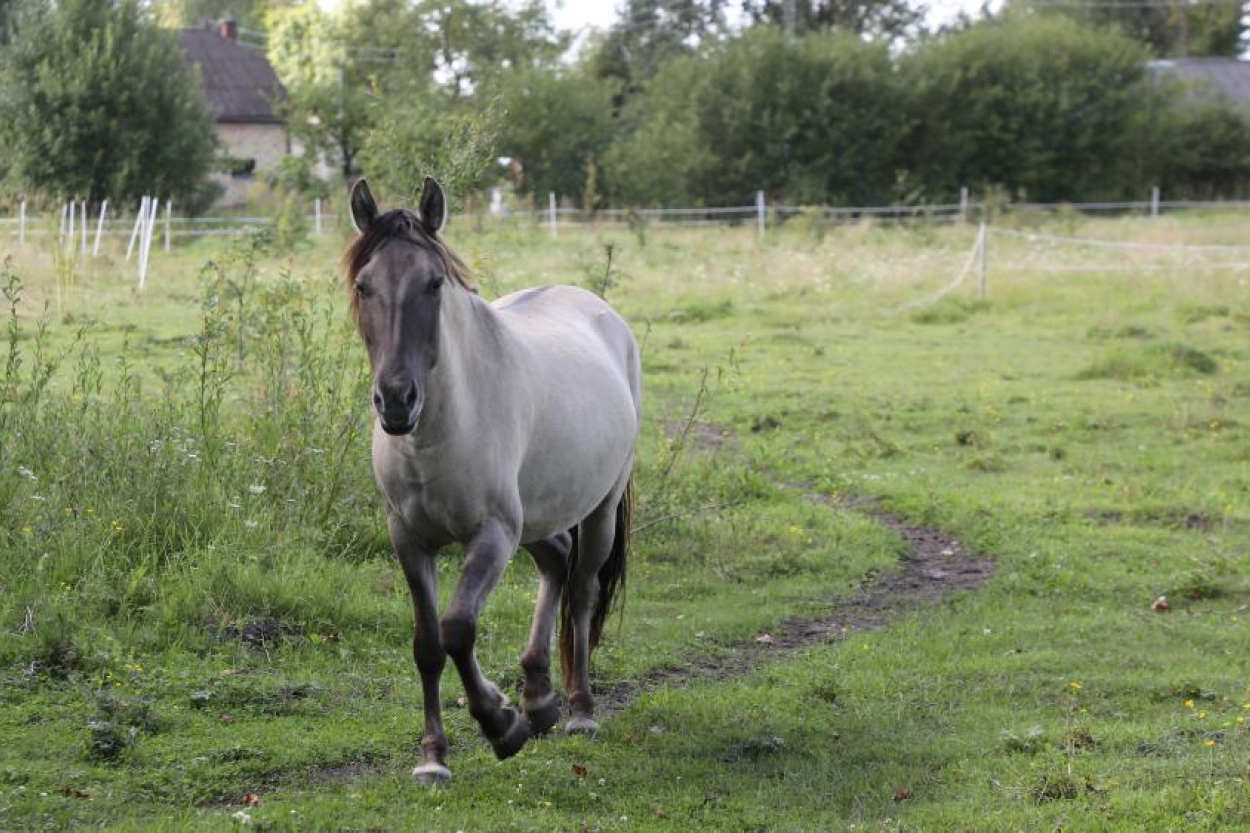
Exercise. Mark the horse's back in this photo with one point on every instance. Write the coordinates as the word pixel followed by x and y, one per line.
pixel 570 327
pixel 584 387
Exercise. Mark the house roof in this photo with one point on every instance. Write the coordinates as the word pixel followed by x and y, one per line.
pixel 239 83
pixel 1222 78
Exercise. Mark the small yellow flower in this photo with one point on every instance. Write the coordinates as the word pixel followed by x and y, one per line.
pixel 1245 706
pixel 27 531
pixel 1208 743
pixel 1241 720
pixel 1202 715
pixel 1189 704
pixel 1074 685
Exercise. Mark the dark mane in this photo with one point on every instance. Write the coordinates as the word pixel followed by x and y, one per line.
pixel 402 224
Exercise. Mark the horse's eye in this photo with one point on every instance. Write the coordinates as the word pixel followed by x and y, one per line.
pixel 362 290
pixel 436 284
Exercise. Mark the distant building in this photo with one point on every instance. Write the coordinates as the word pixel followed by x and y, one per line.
pixel 1209 79
pixel 243 92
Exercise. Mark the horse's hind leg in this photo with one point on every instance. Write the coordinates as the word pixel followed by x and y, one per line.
pixel 537 697
pixel 485 559
pixel 421 572
pixel 595 538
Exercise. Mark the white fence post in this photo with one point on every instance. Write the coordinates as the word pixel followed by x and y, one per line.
pixel 83 235
pixel 69 238
pixel 759 212
pixel 60 236
pixel 145 243
pixel 99 228
pixel 317 215
pixel 143 212
pixel 21 225
pixel 551 207
pixel 1154 202
pixel 983 260
pixel 963 204
pixel 169 209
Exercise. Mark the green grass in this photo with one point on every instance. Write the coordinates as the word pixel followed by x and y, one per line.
pixel 161 499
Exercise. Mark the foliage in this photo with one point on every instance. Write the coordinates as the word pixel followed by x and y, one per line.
pixel 1170 30
pixel 886 20
pixel 95 101
pixel 812 119
pixel 557 123
pixel 649 33
pixel 1045 107
pixel 1203 151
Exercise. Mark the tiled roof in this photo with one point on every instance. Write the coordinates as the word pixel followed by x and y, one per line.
pixel 239 83
pixel 1224 78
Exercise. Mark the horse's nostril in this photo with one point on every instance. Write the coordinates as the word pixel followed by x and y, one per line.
pixel 377 399
pixel 411 396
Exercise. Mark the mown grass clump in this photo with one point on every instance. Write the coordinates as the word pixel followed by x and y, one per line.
pixel 1161 361
pixel 949 310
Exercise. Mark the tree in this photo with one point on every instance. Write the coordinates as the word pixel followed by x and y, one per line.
pixel 96 101
pixel 559 124
pixel 1044 106
pixel 650 32
pixel 877 19
pixel 1170 29
pixel 810 119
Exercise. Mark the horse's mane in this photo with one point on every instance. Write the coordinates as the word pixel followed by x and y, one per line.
pixel 402 224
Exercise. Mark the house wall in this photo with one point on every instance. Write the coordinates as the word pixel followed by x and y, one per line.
pixel 265 144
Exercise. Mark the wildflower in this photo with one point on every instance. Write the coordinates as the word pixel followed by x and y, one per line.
pixel 27 473
pixel 116 527
pixel 1074 685
pixel 27 531
pixel 256 489
pixel 1241 720
pixel 1202 715
pixel 1208 743
pixel 1189 704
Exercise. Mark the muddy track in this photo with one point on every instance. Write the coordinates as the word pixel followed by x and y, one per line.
pixel 936 567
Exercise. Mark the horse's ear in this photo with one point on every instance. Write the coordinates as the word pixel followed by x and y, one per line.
pixel 364 209
pixel 432 208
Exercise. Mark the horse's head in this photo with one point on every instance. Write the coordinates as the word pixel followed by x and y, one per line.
pixel 396 271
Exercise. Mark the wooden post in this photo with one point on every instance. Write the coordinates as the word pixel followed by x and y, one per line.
pixel 759 212
pixel 983 259
pixel 99 228
pixel 21 225
pixel 143 211
pixel 1154 202
pixel 551 207
pixel 169 208
pixel 963 204
pixel 317 215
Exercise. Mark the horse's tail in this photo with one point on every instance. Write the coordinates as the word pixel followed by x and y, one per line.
pixel 611 581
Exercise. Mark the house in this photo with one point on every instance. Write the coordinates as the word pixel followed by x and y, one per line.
pixel 244 93
pixel 1208 79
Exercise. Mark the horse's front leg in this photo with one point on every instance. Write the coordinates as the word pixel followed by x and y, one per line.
pixel 551 556
pixel 421 571
pixel 486 557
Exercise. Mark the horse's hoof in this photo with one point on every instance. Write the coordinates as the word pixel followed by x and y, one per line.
pixel 432 774
pixel 543 715
pixel 580 725
pixel 511 741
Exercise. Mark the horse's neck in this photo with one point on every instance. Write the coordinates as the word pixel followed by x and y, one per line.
pixel 471 353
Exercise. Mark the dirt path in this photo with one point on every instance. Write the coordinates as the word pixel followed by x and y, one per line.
pixel 936 568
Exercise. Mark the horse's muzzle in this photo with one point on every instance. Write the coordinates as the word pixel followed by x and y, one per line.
pixel 398 405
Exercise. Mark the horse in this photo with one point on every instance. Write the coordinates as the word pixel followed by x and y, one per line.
pixel 497 426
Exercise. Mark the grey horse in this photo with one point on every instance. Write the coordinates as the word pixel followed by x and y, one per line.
pixel 499 425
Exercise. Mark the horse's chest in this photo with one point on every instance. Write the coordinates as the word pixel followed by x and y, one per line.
pixel 434 495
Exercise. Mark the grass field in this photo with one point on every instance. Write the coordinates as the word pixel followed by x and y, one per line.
pixel 198 603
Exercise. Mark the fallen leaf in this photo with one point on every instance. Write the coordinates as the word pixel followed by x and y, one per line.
pixel 765 638
pixel 73 792
pixel 580 771
pixel 1160 605
pixel 251 800
pixel 903 795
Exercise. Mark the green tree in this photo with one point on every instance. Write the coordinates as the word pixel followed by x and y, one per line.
pixel 559 124
pixel 648 33
pixel 1170 29
pixel 1044 106
pixel 878 19
pixel 809 119
pixel 96 101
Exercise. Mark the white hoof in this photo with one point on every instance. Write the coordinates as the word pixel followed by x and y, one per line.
pixel 431 774
pixel 582 726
